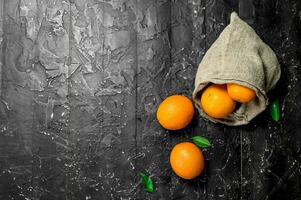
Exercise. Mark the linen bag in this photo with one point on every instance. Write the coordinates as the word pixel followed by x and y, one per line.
pixel 238 56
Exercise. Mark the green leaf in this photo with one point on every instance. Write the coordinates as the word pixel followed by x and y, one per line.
pixel 148 183
pixel 201 141
pixel 275 110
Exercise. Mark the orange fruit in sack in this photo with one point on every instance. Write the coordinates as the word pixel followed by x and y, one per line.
pixel 216 101
pixel 240 93
pixel 187 160
pixel 175 112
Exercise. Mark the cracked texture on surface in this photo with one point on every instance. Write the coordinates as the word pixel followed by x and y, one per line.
pixel 80 84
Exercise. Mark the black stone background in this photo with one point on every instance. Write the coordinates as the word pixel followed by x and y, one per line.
pixel 80 83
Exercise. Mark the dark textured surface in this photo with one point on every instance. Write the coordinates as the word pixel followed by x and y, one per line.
pixel 80 83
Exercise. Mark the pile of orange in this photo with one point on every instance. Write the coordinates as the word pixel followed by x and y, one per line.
pixel 218 101
pixel 177 111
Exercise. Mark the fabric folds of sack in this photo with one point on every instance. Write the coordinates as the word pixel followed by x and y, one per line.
pixel 238 56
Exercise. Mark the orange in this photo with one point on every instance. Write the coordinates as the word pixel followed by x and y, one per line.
pixel 187 160
pixel 240 93
pixel 175 112
pixel 216 102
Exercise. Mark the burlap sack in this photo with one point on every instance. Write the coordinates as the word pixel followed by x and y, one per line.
pixel 238 56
